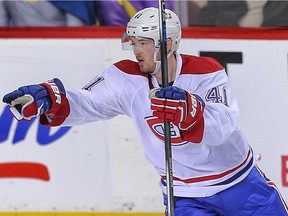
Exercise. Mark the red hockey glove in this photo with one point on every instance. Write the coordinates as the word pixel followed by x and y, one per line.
pixel 182 108
pixel 33 100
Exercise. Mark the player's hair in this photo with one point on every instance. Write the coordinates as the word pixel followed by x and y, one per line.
pixel 145 24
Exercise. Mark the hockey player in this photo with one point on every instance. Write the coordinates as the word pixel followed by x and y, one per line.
pixel 214 170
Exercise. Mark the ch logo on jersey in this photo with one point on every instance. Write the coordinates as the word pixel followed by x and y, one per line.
pixel 156 125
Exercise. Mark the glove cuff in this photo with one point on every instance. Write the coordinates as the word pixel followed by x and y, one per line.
pixel 195 133
pixel 195 111
pixel 56 94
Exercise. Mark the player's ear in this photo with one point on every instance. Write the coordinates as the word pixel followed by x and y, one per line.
pixel 169 45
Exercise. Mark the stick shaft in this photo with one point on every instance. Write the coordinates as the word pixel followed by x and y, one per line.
pixel 167 133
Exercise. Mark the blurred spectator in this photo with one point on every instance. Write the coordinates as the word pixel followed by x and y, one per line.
pixel 43 13
pixel 220 13
pixel 118 13
pixel 275 13
pixel 194 9
pixel 244 13
pixel 185 12
pixel 254 16
pixel 84 10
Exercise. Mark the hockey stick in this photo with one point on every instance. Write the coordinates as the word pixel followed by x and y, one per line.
pixel 167 133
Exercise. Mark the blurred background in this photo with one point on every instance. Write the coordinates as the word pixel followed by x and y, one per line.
pixel 244 13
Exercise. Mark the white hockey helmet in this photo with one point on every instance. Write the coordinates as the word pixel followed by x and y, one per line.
pixel 145 24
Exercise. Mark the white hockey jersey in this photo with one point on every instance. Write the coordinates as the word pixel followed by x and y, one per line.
pixel 220 160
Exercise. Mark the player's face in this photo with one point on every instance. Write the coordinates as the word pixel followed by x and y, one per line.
pixel 144 52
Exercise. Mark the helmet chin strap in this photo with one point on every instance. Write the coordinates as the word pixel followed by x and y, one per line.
pixel 158 63
pixel 157 68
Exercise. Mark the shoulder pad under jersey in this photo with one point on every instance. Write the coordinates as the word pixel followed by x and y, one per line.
pixel 129 67
pixel 199 65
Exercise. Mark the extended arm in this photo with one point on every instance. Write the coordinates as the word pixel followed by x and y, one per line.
pixel 33 100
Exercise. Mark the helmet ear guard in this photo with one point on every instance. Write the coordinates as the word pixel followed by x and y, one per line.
pixel 145 24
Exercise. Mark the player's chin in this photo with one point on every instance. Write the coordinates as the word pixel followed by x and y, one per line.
pixel 145 70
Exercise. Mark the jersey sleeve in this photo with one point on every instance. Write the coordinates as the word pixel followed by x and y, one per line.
pixel 206 78
pixel 98 100
pixel 221 109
